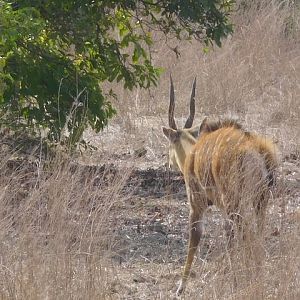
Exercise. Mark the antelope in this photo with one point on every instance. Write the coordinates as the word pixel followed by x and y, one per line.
pixel 222 165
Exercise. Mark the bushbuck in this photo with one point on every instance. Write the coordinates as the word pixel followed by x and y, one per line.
pixel 222 165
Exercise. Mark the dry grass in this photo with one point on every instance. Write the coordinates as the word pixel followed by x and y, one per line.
pixel 254 77
pixel 56 230
pixel 74 232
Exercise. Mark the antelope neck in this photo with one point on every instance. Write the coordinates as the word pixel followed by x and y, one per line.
pixel 183 147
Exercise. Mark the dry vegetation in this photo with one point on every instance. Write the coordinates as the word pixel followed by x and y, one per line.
pixel 111 228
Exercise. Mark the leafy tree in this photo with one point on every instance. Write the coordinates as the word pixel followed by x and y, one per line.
pixel 54 55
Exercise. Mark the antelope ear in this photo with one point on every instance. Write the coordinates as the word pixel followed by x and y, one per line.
pixel 204 125
pixel 171 134
pixel 195 131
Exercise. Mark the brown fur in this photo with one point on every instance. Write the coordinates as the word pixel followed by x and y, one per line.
pixel 227 167
pixel 210 126
pixel 221 144
pixel 220 152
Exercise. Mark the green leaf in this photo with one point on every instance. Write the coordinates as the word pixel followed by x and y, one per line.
pixel 55 55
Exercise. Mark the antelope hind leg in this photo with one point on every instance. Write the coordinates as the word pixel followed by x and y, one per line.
pixel 194 238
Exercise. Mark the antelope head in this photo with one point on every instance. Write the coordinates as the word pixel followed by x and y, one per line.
pixel 181 140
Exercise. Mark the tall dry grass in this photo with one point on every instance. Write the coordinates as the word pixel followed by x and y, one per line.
pixel 74 232
pixel 55 228
pixel 254 76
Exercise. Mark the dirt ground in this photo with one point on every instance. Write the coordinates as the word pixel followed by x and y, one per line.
pixel 150 226
pixel 114 223
pixel 140 240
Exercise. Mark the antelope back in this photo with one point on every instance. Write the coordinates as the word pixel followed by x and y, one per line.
pixel 226 157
